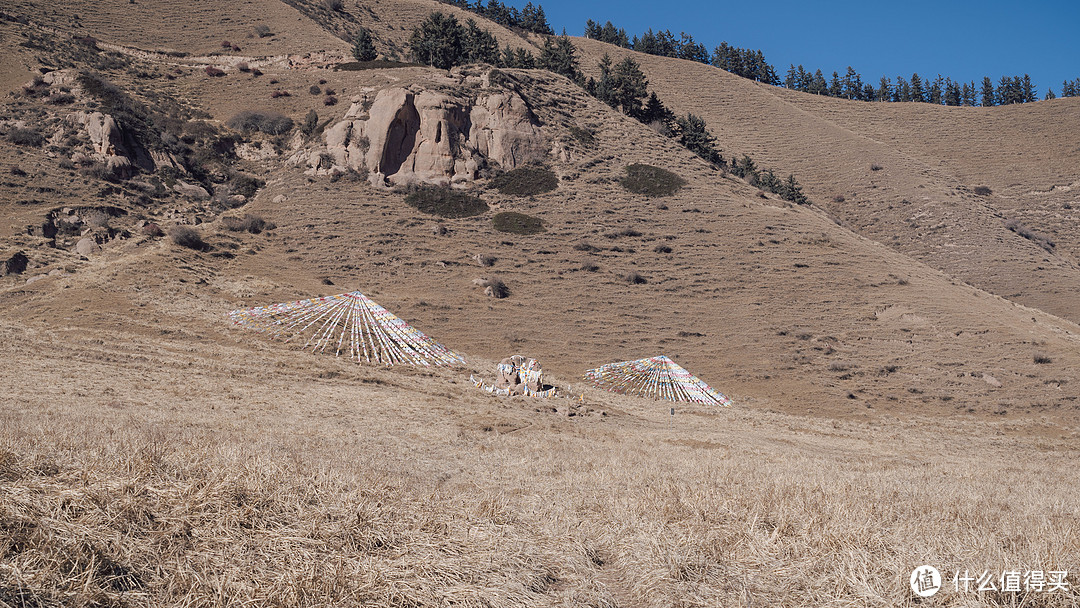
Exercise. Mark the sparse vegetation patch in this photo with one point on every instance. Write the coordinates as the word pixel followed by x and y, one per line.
pixel 186 236
pixel 445 202
pixel 1036 237
pixel 525 181
pixel 651 181
pixel 518 223
pixel 271 123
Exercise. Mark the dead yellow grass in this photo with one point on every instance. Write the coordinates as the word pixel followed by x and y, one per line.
pixel 389 488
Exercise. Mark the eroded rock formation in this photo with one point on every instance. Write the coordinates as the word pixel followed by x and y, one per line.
pixel 405 137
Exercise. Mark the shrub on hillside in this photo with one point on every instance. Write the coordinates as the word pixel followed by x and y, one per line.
pixel 26 137
pixel 1038 238
pixel 445 202
pixel 497 289
pixel 245 185
pixel 634 278
pixel 271 123
pixel 186 236
pixel 983 190
pixel 517 223
pixel 525 181
pixel 651 181
pixel 262 31
pixel 254 224
pixel 214 72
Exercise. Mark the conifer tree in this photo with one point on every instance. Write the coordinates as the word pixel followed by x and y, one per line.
pixel 1050 94
pixel 364 47
pixel 438 41
pixel 917 93
pixel 558 56
pixel 884 91
pixel 988 97
pixel 695 137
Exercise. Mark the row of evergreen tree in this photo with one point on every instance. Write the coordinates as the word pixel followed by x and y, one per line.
pixel 747 63
pixel 530 18
pixel 751 63
pixel 940 91
pixel 443 42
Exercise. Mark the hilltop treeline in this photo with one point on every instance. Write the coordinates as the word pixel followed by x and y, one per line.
pixel 751 63
pixel 530 18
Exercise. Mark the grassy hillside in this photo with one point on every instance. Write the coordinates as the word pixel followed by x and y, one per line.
pixel 903 378
pixel 920 200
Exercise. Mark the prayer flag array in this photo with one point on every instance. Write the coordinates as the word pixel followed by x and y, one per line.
pixel 350 324
pixel 655 378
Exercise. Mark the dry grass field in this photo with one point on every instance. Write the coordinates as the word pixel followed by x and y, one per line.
pixel 904 378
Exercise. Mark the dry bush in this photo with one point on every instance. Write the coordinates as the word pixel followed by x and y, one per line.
pixel 152 230
pixel 186 236
pixel 662 249
pixel 651 181
pixel 330 100
pixel 630 232
pixel 586 247
pixel 1034 236
pixel 876 167
pixel 262 30
pixel 445 202
pixel 280 93
pixel 526 181
pixel 485 259
pixel 983 190
pixel 517 223
pixel 243 67
pixel 333 5
pixel 271 123
pixel 213 71
pixel 839 198
pixel 1042 358
pixel 589 266
pixel 315 89
pixel 496 288
pixel 26 137
pixel 635 278
pixel 254 224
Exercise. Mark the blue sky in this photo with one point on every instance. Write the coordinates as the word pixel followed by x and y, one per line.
pixel 962 40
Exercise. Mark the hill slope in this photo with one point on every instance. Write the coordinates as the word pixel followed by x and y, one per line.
pixel 153 454
pixel 921 200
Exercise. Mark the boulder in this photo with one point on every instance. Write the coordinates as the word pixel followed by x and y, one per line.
pixel 191 191
pixel 87 246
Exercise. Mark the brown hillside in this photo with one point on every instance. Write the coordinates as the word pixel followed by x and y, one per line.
pixel 889 409
pixel 921 202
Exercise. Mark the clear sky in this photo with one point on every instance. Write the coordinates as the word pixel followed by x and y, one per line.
pixel 964 40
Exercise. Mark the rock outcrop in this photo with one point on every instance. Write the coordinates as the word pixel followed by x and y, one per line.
pixel 404 137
